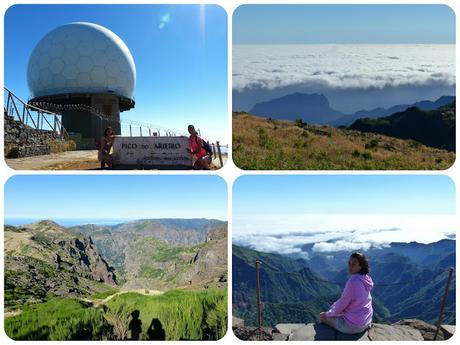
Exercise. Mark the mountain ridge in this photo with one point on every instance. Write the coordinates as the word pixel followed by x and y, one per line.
pixel 315 108
pixel 434 128
pixel 68 261
pixel 403 288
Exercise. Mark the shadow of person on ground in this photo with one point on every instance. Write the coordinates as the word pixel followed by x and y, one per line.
pixel 156 331
pixel 135 325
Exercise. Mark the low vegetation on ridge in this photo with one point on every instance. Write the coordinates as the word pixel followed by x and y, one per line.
pixel 266 144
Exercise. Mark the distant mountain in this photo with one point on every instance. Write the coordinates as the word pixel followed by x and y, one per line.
pixel 311 108
pixel 410 279
pixel 43 258
pixel 290 290
pixel 398 263
pixel 435 128
pixel 315 109
pixel 347 120
pixel 164 253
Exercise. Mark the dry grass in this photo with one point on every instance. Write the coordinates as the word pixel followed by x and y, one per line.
pixel 264 144
pixel 57 146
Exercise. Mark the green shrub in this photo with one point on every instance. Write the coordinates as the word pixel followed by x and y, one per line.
pixel 373 144
pixel 299 123
pixel 367 155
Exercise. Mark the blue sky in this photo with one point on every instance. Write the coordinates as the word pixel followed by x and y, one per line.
pixel 115 197
pixel 180 52
pixel 303 24
pixel 338 194
pixel 279 214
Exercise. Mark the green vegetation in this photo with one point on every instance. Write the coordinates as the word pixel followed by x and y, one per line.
pixel 167 252
pixel 151 272
pixel 434 128
pixel 141 225
pixel 190 315
pixel 266 144
pixel 104 294
pixel 372 145
pixel 56 319
pixel 176 315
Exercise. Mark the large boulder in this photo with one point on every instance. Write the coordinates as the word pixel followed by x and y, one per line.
pixel 428 331
pixel 378 332
pixel 323 332
pixel 237 322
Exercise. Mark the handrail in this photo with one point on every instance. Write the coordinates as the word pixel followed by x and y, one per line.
pixel 13 106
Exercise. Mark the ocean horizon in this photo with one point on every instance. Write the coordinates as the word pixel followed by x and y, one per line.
pixel 66 221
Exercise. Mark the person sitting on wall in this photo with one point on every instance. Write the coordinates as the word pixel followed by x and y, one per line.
pixel 352 312
pixel 105 145
pixel 196 147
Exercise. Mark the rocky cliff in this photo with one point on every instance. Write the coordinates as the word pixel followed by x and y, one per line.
pixel 153 263
pixel 44 258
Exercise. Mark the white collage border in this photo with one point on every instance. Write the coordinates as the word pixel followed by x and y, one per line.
pixel 229 172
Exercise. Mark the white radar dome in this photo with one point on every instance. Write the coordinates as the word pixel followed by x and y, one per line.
pixel 81 58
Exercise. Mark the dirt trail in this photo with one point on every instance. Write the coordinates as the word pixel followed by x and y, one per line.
pixel 97 302
pixel 70 160
pixel 12 313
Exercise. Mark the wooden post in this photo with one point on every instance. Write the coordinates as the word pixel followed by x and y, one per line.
pixel 220 154
pixel 140 130
pixel 150 132
pixel 130 131
pixel 259 309
pixel 214 151
pixel 443 303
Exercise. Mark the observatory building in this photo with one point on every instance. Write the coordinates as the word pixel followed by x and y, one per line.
pixel 85 72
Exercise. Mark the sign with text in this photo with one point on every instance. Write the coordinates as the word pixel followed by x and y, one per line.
pixel 152 152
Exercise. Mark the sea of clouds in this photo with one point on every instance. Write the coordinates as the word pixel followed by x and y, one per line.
pixel 263 69
pixel 331 233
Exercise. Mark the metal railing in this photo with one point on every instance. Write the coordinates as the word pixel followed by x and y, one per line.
pixel 32 116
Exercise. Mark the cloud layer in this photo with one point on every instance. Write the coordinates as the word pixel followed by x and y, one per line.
pixel 330 233
pixel 342 66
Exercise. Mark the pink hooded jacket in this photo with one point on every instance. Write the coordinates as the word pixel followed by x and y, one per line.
pixel 355 304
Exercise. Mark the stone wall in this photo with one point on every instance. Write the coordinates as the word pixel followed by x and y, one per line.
pixel 24 141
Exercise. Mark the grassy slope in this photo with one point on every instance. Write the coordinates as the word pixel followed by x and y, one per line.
pixel 265 144
pixel 183 315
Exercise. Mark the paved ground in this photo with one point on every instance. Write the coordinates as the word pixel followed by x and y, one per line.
pixel 70 160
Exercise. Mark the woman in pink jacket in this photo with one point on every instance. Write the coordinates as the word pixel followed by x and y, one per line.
pixel 352 312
